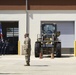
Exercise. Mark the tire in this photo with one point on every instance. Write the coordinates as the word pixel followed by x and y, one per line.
pixel 58 50
pixel 37 48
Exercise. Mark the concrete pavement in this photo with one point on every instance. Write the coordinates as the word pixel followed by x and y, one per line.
pixel 14 65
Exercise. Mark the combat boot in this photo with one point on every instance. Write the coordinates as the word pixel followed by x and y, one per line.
pixel 28 64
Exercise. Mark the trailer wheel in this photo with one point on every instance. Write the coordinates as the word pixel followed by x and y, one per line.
pixel 58 50
pixel 37 48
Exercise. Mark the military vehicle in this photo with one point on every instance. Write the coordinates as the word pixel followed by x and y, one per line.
pixel 48 42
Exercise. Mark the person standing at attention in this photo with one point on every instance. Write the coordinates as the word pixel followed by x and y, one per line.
pixel 27 48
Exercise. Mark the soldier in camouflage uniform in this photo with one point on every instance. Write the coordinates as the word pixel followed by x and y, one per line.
pixel 27 48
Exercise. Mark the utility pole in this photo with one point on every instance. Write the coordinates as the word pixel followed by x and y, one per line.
pixel 27 19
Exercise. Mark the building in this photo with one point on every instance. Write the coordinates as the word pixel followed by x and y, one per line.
pixel 13 12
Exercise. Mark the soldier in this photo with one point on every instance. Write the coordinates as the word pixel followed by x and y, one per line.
pixel 6 46
pixel 27 48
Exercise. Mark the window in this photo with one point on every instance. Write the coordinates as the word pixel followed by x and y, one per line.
pixel 12 32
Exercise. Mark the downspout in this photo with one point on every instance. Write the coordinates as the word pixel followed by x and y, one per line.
pixel 27 19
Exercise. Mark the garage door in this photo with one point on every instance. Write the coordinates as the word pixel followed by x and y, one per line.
pixel 67 33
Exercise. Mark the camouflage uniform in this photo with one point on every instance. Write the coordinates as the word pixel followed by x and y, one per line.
pixel 27 48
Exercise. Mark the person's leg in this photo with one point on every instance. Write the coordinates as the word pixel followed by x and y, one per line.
pixel 4 50
pixel 41 53
pixel 0 50
pixel 52 53
pixel 27 58
pixel 27 61
pixel 29 53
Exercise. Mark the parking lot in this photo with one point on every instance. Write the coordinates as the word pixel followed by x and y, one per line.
pixel 14 65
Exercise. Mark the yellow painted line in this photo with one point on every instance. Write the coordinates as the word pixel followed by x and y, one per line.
pixel 18 47
pixel 74 48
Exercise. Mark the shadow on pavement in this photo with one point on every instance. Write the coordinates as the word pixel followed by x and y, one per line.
pixel 4 73
pixel 39 65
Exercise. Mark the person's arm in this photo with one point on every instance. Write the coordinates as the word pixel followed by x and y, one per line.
pixel 30 44
pixel 26 43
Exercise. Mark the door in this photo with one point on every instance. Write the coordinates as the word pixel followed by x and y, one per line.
pixel 67 33
pixel 10 33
